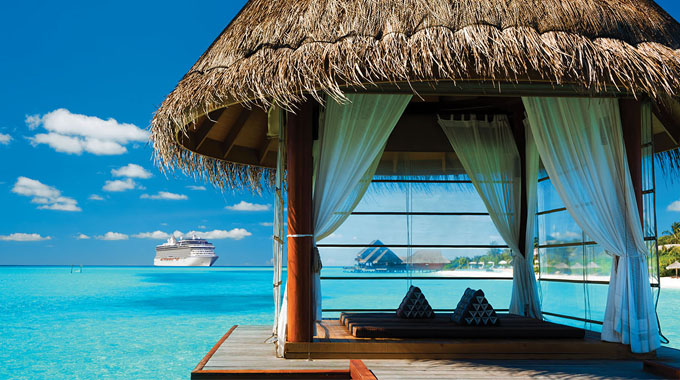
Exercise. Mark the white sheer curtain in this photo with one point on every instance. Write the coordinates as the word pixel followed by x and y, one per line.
pixel 352 138
pixel 581 145
pixel 275 131
pixel 525 300
pixel 487 150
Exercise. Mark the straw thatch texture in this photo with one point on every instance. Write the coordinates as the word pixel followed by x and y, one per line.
pixel 277 51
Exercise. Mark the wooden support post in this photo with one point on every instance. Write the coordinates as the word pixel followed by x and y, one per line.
pixel 520 141
pixel 631 122
pixel 300 228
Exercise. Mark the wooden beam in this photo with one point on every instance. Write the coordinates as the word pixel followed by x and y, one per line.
pixel 201 133
pixel 300 228
pixel 665 370
pixel 212 351
pixel 264 149
pixel 670 125
pixel 359 371
pixel 631 122
pixel 233 133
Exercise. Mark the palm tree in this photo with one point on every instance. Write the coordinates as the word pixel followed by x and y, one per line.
pixel 672 236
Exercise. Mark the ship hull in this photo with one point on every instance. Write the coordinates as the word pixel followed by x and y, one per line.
pixel 191 261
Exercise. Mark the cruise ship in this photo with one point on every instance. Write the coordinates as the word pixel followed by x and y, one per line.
pixel 194 252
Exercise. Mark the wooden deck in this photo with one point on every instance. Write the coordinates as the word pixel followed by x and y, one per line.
pixel 245 355
pixel 242 353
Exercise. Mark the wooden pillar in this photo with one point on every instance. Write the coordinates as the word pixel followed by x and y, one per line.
pixel 520 141
pixel 631 122
pixel 300 228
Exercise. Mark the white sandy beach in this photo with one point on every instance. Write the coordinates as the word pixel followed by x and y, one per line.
pixel 670 283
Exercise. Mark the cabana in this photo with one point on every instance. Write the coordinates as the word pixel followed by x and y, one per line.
pixel 312 99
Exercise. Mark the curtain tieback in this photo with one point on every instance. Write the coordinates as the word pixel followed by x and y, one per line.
pixel 300 235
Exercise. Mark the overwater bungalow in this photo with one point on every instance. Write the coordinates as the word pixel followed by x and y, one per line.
pixel 551 110
pixel 377 257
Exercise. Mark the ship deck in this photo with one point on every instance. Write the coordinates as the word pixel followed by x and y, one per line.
pixel 243 354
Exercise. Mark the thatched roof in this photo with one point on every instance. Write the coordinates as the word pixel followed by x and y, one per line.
pixel 377 256
pixel 280 51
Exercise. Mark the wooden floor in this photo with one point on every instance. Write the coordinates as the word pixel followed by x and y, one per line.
pixel 333 341
pixel 245 351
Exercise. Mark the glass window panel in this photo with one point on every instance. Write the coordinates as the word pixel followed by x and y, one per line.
pixel 558 228
pixel 454 230
pixel 596 299
pixel 345 259
pixel 597 263
pixel 648 215
pixel 387 294
pixel 426 197
pixel 364 229
pixel 362 294
pixel 586 301
pixel 438 197
pixel 563 298
pixel 647 168
pixel 570 322
pixel 383 197
pixel 652 260
pixel 562 262
pixel 458 262
pixel 445 294
pixel 548 199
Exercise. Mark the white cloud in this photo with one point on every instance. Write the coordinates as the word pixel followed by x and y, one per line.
pixel 202 227
pixel 165 195
pixel 267 224
pixel 131 171
pixel 48 197
pixel 5 138
pixel 20 236
pixel 156 235
pixel 198 188
pixel 675 206
pixel 74 134
pixel 247 206
pixel 112 236
pixel 236 234
pixel 82 237
pixel 119 185
pixel 96 197
pixel 60 143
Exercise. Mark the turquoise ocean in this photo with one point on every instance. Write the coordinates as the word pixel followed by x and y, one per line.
pixel 157 323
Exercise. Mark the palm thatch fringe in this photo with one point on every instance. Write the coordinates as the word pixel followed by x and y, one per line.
pixel 669 163
pixel 267 56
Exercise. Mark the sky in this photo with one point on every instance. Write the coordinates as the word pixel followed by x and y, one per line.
pixel 78 184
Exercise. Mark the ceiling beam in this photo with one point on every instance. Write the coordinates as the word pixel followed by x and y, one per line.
pixel 199 136
pixel 236 128
pixel 671 125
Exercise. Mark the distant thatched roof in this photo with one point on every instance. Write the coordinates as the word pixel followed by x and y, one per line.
pixel 278 51
pixel 427 256
pixel 377 255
